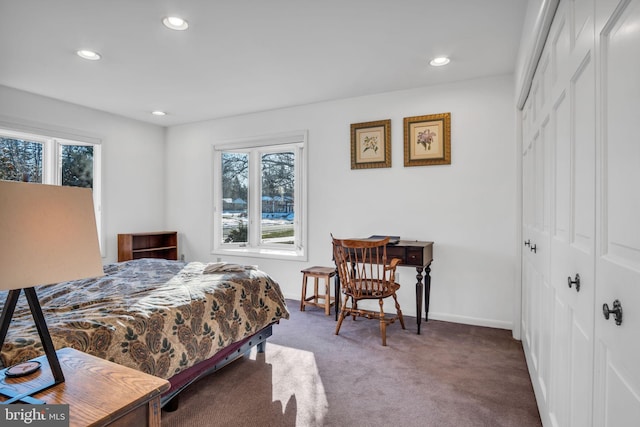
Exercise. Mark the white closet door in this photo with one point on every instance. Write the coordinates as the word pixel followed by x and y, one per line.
pixel 573 213
pixel 617 385
pixel 537 309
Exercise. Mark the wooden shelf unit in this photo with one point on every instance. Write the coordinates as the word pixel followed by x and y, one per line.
pixel 159 244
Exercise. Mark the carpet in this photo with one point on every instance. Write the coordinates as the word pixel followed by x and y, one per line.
pixel 449 375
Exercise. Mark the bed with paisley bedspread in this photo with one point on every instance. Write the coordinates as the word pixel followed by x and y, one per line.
pixel 170 319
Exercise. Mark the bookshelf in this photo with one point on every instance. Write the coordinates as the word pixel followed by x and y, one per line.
pixel 159 244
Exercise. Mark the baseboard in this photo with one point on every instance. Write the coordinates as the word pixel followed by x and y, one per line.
pixel 475 321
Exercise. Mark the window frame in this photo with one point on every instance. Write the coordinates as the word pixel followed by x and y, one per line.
pixel 52 166
pixel 255 147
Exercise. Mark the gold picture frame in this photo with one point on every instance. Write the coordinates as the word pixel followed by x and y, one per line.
pixel 371 145
pixel 427 140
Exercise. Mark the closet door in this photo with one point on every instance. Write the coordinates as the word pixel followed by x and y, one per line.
pixel 533 268
pixel 559 218
pixel 537 292
pixel 617 385
pixel 573 212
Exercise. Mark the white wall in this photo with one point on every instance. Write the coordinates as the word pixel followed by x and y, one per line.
pixel 467 208
pixel 132 158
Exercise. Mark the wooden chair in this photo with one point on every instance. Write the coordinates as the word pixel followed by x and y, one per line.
pixel 365 275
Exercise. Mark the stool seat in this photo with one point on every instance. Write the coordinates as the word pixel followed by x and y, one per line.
pixel 318 300
pixel 320 271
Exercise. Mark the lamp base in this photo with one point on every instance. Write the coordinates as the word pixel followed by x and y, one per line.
pixel 22 369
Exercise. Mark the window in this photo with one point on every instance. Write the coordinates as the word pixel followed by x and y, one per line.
pixel 47 160
pixel 259 197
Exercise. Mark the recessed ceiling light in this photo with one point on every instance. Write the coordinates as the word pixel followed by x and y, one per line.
pixel 88 54
pixel 158 113
pixel 175 23
pixel 439 61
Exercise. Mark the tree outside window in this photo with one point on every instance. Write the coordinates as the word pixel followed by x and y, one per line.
pixel 20 160
pixel 47 160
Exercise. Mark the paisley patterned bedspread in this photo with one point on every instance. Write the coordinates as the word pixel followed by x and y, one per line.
pixel 157 316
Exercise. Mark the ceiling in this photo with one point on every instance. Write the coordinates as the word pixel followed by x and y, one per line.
pixel 245 56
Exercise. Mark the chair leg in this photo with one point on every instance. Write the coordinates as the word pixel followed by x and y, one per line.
pixel 383 324
pixel 399 311
pixel 342 314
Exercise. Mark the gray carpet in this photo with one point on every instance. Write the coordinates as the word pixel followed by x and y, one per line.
pixel 450 375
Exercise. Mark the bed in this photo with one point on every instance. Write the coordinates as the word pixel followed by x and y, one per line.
pixel 175 320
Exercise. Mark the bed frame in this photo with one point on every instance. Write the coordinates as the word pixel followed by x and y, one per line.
pixel 179 382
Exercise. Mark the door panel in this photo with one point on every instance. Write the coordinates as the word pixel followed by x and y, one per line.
pixel 582 373
pixel 559 404
pixel 617 401
pixel 572 245
pixel 620 400
pixel 562 171
pixel 560 46
pixel 584 156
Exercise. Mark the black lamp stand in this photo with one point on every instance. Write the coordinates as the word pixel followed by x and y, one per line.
pixel 45 339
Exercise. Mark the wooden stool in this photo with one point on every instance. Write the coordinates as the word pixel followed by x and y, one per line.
pixel 316 272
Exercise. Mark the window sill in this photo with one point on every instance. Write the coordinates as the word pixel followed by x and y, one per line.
pixel 284 254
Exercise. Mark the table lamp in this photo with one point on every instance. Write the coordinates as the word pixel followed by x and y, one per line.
pixel 48 235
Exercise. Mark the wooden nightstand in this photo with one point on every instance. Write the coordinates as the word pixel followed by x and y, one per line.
pixel 99 392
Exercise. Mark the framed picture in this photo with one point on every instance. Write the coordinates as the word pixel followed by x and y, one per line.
pixel 427 140
pixel 371 145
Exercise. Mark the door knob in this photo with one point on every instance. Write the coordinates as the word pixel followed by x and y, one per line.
pixel 617 311
pixel 533 248
pixel 576 282
pixel 527 242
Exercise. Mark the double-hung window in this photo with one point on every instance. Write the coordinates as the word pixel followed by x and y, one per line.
pixel 44 159
pixel 259 197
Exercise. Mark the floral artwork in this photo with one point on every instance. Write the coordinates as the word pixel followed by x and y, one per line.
pixel 427 140
pixel 371 145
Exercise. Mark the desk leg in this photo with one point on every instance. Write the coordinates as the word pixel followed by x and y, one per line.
pixel 427 291
pixel 419 288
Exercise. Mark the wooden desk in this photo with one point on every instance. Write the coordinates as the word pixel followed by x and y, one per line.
pixel 98 392
pixel 416 254
pixel 419 255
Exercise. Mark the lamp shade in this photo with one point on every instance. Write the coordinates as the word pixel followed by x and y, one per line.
pixel 48 234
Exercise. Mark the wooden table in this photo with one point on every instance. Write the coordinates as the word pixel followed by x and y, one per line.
pixel 98 392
